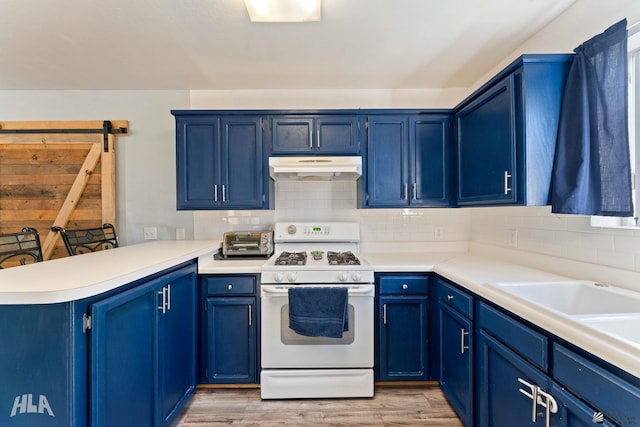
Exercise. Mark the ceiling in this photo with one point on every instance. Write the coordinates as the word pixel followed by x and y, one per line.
pixel 211 44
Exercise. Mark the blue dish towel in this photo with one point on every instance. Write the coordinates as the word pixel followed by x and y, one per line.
pixel 318 312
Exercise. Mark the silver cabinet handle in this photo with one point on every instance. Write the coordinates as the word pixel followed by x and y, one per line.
pixel 169 297
pixel 318 138
pixel 384 314
pixel 215 192
pixel 549 403
pixel 532 394
pixel 224 193
pixel 450 297
pixel 405 192
pixel 507 189
pixel 405 286
pixel 310 138
pixel 163 306
pixel 462 346
pixel 415 191
pixel 229 286
pixel 250 315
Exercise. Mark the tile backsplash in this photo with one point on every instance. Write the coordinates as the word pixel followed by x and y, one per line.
pixel 337 201
pixel 528 229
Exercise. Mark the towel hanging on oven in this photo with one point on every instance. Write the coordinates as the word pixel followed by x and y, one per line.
pixel 319 311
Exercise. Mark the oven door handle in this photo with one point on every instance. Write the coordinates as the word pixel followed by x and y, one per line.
pixel 281 290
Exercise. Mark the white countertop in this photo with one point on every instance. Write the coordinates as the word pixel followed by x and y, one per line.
pixel 81 276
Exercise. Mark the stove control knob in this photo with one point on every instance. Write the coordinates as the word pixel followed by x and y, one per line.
pixel 292 277
pixel 355 276
pixel 343 277
pixel 278 277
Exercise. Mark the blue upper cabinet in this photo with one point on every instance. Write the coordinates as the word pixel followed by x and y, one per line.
pixel 220 162
pixel 407 163
pixel 506 134
pixel 337 134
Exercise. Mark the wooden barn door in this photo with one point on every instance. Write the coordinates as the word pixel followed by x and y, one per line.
pixel 57 173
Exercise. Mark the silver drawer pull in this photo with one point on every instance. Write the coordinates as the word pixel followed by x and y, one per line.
pixel 405 286
pixel 229 286
pixel 462 346
pixel 450 297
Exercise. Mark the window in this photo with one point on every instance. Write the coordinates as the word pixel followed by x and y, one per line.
pixel 634 134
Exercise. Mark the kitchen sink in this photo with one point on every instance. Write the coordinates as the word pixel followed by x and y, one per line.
pixel 574 297
pixel 623 326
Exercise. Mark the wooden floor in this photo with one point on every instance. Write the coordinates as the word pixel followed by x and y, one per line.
pixel 391 406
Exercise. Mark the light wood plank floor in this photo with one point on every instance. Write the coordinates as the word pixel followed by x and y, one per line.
pixel 391 406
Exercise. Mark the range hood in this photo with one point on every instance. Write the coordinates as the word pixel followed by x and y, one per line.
pixel 315 168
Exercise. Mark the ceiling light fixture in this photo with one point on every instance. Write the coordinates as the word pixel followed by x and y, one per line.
pixel 283 10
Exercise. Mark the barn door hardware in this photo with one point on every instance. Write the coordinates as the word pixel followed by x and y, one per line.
pixel 107 129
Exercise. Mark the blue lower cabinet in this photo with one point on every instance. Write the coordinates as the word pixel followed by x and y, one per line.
pixel 232 338
pixel 143 352
pixel 402 338
pixel 505 382
pixel 229 339
pixel 122 358
pixel 456 360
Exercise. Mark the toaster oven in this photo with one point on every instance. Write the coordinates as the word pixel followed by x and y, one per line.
pixel 247 243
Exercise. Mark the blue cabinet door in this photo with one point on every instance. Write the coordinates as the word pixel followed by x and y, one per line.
pixel 429 161
pixel 177 343
pixel 573 412
pixel 498 374
pixel 388 161
pixel 402 338
pixel 292 135
pixel 456 360
pixel 123 359
pixel 231 340
pixel 486 144
pixel 338 134
pixel 198 160
pixel 241 163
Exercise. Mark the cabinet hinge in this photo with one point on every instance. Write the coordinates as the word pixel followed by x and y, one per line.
pixel 86 323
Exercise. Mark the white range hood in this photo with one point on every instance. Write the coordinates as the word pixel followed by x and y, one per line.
pixel 315 168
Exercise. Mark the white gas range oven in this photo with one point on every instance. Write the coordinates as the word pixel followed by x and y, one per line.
pixel 296 365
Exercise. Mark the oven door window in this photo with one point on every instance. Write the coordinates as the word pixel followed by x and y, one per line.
pixel 289 337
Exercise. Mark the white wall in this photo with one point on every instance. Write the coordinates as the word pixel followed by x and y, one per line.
pixel 145 159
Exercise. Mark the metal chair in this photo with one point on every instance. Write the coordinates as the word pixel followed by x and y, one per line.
pixel 80 241
pixel 20 248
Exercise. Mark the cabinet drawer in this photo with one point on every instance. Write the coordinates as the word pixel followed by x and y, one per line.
pixel 606 392
pixel 456 298
pixel 404 284
pixel 230 285
pixel 522 339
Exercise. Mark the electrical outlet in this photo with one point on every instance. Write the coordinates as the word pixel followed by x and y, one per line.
pixel 179 233
pixel 438 233
pixel 513 238
pixel 150 233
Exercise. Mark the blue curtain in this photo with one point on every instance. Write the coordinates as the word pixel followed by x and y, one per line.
pixel 591 171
